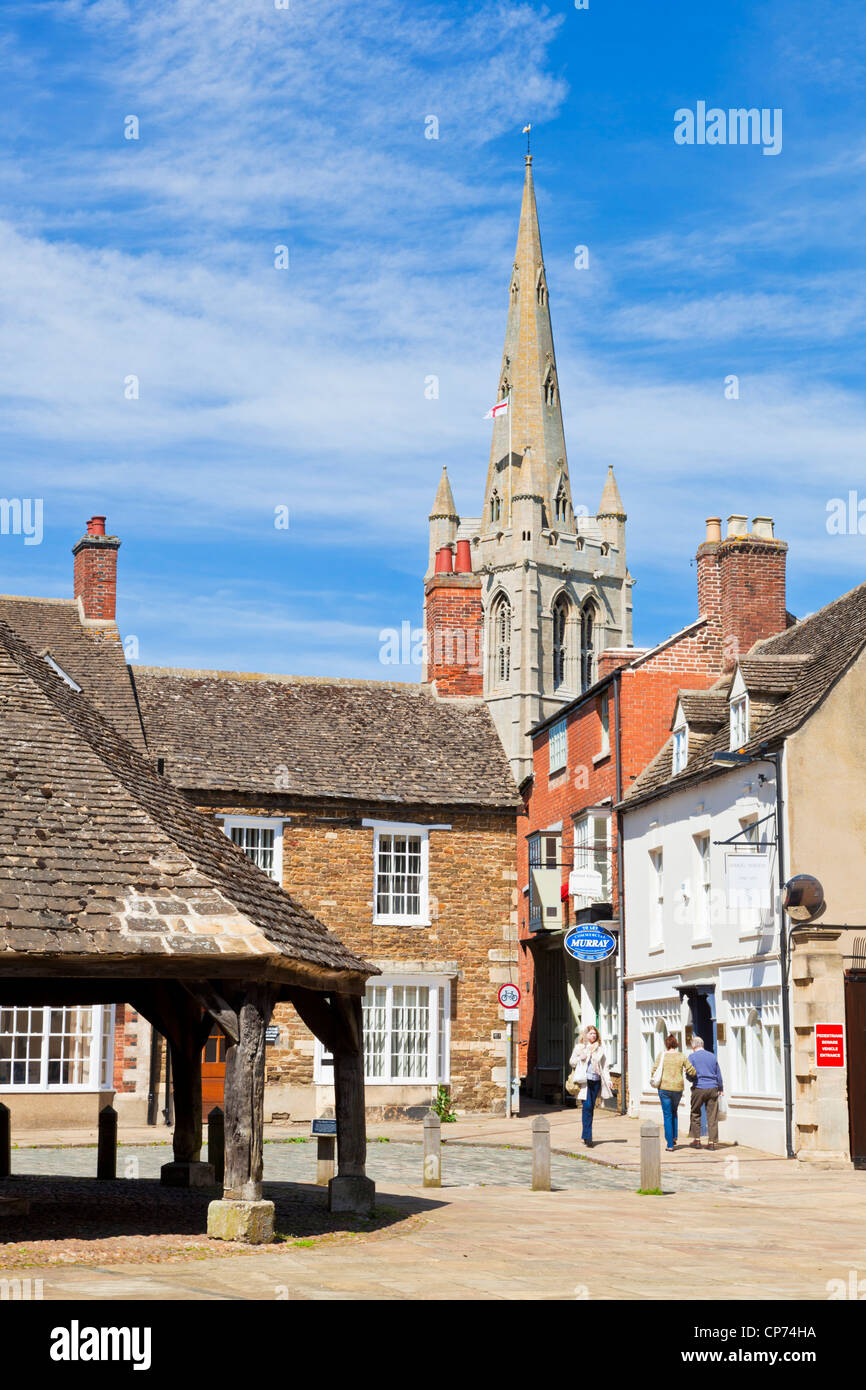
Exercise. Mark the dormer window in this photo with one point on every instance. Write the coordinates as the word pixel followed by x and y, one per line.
pixel 739 721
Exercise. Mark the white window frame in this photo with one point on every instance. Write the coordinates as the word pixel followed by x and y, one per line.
pixel 421 832
pixel 591 851
pixel 754 1018
pixel 739 721
pixel 657 898
pixel 704 884
pixel 557 746
pixel 657 1018
pixel 100 1048
pixel 231 823
pixel 439 1041
pixel 680 753
pixel 604 720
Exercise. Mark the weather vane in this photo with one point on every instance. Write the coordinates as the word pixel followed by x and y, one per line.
pixel 526 130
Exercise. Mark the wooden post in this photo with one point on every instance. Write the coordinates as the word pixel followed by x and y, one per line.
pixel 185 1047
pixel 432 1151
pixel 325 1144
pixel 540 1153
pixel 351 1190
pixel 106 1152
pixel 242 1214
pixel 5 1141
pixel 216 1143
pixel 650 1157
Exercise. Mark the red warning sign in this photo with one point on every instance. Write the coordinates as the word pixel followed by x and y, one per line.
pixel 829 1045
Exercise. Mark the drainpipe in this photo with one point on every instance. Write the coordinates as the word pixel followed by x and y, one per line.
pixel 776 760
pixel 620 882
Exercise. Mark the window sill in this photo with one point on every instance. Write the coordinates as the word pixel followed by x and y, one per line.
pixel 656 950
pixel 400 922
pixel 759 1102
pixel 601 757
pixel 555 772
pixel 700 941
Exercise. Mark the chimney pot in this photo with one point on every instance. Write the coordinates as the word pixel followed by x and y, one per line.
pixel 96 526
pixel 463 563
pixel 738 525
pixel 444 560
pixel 762 526
pixel 714 528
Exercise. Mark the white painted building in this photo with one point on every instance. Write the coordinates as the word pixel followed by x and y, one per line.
pixel 703 945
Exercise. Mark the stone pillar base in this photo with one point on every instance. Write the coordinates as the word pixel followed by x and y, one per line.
pixel 830 1158
pixel 252 1222
pixel 187 1175
pixel 352 1193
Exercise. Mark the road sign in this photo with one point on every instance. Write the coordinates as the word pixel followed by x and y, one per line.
pixel 509 996
pixel 511 1015
pixel 589 942
pixel 829 1045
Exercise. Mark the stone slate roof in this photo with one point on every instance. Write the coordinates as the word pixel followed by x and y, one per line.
pixel 103 861
pixel 825 643
pixel 772 674
pixel 92 654
pixel 707 707
pixel 308 737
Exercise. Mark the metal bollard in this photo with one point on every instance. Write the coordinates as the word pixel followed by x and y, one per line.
pixel 325 1166
pixel 432 1151
pixel 650 1157
pixel 5 1141
pixel 540 1153
pixel 106 1152
pixel 216 1143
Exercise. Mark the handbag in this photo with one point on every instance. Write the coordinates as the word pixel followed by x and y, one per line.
pixel 656 1078
pixel 572 1085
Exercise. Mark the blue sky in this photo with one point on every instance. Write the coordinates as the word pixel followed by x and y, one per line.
pixel 304 388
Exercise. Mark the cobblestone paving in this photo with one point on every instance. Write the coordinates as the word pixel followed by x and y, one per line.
pixel 463 1165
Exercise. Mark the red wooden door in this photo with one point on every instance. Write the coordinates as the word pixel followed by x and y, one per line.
pixel 855 1028
pixel 213 1072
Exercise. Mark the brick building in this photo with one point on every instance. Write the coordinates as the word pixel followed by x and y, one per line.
pixel 585 758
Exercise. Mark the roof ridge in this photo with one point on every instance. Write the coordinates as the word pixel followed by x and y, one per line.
pixel 191 672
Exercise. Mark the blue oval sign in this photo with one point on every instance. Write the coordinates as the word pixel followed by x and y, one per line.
pixel 589 942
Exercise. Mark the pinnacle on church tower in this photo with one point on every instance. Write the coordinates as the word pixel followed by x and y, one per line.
pixel 443 503
pixel 528 378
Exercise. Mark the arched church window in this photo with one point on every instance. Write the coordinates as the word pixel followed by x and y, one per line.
pixel 502 641
pixel 560 645
pixel 587 646
pixel 495 506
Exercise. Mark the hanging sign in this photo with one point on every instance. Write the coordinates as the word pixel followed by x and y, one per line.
pixel 585 883
pixel 829 1045
pixel 589 942
pixel 749 882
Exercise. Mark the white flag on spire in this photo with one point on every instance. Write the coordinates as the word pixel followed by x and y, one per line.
pixel 500 408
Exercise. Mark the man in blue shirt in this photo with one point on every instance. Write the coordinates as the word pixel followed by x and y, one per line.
pixel 706 1089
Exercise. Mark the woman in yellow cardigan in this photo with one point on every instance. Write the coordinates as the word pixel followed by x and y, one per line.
pixel 668 1077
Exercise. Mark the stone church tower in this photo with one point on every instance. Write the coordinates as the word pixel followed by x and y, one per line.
pixel 520 602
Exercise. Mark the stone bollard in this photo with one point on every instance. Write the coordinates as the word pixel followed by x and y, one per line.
pixel 432 1151
pixel 650 1157
pixel 325 1167
pixel 5 1141
pixel 216 1143
pixel 540 1153
pixel 106 1153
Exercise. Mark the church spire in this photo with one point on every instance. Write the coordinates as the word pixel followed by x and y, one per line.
pixel 529 377
pixel 443 503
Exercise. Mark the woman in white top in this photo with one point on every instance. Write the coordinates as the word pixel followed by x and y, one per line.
pixel 590 1070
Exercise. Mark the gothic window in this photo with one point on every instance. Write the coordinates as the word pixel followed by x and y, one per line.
pixel 501 641
pixel 587 646
pixel 560 645
pixel 550 388
pixel 495 506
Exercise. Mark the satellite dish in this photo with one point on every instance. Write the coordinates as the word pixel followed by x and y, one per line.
pixel 803 898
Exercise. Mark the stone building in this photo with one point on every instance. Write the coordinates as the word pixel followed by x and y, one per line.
pixel 522 600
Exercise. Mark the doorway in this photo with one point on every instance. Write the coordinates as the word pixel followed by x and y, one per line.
pixel 213 1072
pixel 855 1029
pixel 702 1008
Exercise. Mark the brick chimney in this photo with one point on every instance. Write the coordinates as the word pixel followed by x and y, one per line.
pixel 454 625
pixel 741 584
pixel 95 572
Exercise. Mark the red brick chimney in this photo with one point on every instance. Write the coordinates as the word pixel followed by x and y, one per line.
pixel 455 625
pixel 95 572
pixel 741 584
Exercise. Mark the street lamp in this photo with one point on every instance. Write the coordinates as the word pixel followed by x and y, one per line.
pixel 731 759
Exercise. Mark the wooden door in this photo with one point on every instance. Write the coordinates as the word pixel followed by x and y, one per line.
pixel 855 1028
pixel 213 1072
